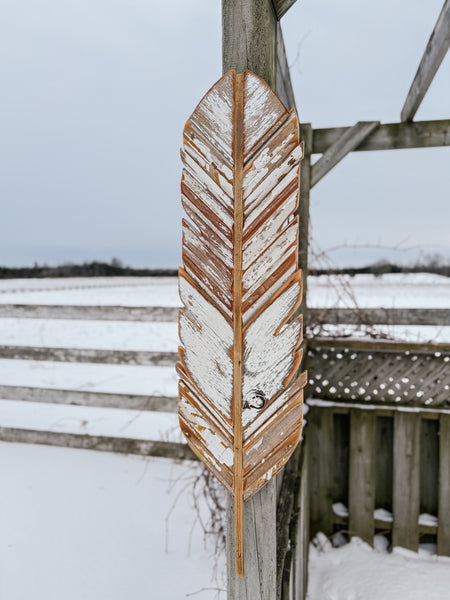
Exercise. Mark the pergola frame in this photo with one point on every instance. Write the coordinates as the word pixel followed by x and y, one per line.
pixel 334 143
pixel 253 39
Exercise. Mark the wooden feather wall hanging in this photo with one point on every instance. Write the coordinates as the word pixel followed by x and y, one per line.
pixel 240 404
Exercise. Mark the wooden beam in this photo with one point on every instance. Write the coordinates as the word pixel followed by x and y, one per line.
pixel 350 140
pixel 285 508
pixel 383 345
pixel 434 54
pixel 303 212
pixel 389 136
pixel 249 41
pixel 320 436
pixel 90 313
pixel 284 83
pixel 282 6
pixel 249 38
pixel 83 355
pixel 443 536
pixel 300 541
pixel 406 485
pixel 83 398
pixel 381 316
pixel 83 441
pixel 258 582
pixel 361 484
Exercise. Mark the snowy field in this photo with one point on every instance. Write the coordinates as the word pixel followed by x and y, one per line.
pixel 78 524
pixel 420 290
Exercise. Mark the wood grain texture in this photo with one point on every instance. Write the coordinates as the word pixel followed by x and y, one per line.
pixel 320 449
pixel 259 533
pixel 406 487
pixel 433 56
pixel 361 493
pixel 240 406
pixel 249 32
pixel 443 535
pixel 300 541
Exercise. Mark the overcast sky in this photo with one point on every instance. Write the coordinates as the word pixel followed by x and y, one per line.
pixel 95 94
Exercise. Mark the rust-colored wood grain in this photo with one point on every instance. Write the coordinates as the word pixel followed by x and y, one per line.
pixel 240 404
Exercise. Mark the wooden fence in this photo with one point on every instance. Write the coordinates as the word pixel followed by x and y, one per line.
pixel 379 440
pixel 376 453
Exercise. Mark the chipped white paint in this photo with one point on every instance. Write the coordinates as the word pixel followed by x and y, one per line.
pixel 269 259
pixel 218 446
pixel 262 300
pixel 261 112
pixel 270 283
pixel 207 338
pixel 222 210
pixel 268 353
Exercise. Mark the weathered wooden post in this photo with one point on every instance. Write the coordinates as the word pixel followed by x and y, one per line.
pixel 249 41
pixel 252 39
pixel 240 395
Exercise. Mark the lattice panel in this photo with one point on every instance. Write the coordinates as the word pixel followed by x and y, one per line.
pixel 380 376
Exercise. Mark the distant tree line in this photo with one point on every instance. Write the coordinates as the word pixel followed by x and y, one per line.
pixel 430 264
pixel 115 268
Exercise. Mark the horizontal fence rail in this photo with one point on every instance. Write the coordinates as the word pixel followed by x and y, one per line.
pixel 381 316
pixel 343 316
pixel 90 313
pixel 160 449
pixel 82 355
pixel 86 398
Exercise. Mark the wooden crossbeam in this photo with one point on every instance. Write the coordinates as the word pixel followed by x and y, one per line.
pixel 282 6
pixel 86 398
pixel 284 84
pixel 89 313
pixel 381 316
pixel 389 136
pixel 90 355
pixel 434 54
pixel 350 140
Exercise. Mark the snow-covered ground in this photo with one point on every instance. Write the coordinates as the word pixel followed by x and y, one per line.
pixel 421 290
pixel 355 571
pixel 82 524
